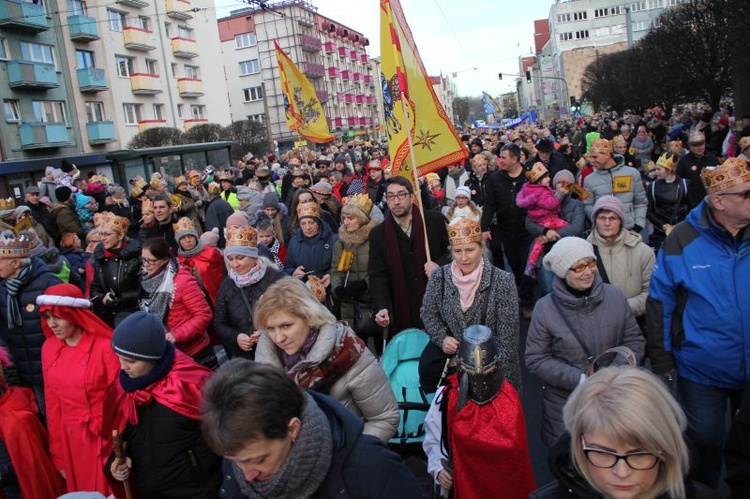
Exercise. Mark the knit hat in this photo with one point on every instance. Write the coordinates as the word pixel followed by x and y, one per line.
pixel 210 238
pixel 241 240
pixel 544 145
pixel 477 142
pixel 609 203
pixel 322 188
pixel 48 170
pixel 63 193
pixel 238 218
pixel 563 176
pixel 565 253
pixel 244 193
pixel 462 191
pixel 67 166
pixel 271 200
pixel 184 227
pixel 356 187
pixel 116 191
pixel 141 336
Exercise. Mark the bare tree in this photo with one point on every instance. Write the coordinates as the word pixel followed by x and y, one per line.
pixel 249 135
pixel 209 132
pixel 156 137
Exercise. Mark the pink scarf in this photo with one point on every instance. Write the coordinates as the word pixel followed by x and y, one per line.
pixel 467 284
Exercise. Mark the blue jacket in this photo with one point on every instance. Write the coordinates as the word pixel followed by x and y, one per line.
pixel 314 253
pixel 697 312
pixel 361 467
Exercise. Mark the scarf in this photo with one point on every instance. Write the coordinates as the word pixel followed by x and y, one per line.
pixel 274 249
pixel 403 293
pixel 13 286
pixel 193 252
pixel 306 466
pixel 250 277
pixel 290 361
pixel 160 289
pixel 467 284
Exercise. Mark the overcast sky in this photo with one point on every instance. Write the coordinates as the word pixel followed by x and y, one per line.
pixel 489 36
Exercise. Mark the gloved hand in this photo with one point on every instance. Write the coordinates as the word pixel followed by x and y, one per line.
pixel 352 290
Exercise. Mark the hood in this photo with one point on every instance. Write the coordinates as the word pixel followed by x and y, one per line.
pixel 325 231
pixel 359 236
pixel 700 218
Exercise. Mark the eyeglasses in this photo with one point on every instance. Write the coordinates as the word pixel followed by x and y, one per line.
pixel 580 268
pixel 607 219
pixel 105 234
pixel 150 261
pixel 744 194
pixel 399 195
pixel 606 459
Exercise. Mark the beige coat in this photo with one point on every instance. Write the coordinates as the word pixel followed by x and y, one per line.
pixel 364 389
pixel 629 263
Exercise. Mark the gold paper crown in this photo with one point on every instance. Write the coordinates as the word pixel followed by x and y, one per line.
pixel 733 172
pixel 226 175
pixel 214 189
pixel 537 171
pixel 601 146
pixel 147 206
pixel 310 209
pixel 193 173
pixel 176 200
pixel 618 141
pixel 361 201
pixel 7 204
pixel 12 246
pixel 649 166
pixel 180 180
pixel 667 161
pixel 184 224
pixel 112 221
pixel 464 231
pixel 137 189
pixel 242 236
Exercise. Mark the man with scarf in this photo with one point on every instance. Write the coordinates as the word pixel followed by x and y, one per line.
pixel 156 410
pixel 398 265
pixel 23 279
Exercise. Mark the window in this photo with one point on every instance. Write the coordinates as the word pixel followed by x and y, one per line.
pixel 167 28
pixel 672 3
pixel 152 67
pixel 132 113
pixel 141 22
pixel 76 7
pixel 180 109
pixel 116 19
pixel 655 4
pixel 49 111
pixel 185 32
pixel 249 67
pixel 637 6
pixel 94 112
pixel 12 110
pixel 640 26
pixel 580 16
pixel 601 12
pixel 124 66
pixel 613 11
pixel 582 35
pixel 192 72
pixel 85 59
pixel 245 40
pixel 564 37
pixel 260 118
pixel 198 112
pixel 253 93
pixel 3 48
pixel 37 52
pixel 174 69
pixel 603 31
pixel 159 112
pixel 563 18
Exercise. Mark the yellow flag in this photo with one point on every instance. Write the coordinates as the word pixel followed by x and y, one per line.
pixel 304 114
pixel 404 81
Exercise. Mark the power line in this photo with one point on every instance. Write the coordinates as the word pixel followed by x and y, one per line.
pixel 454 33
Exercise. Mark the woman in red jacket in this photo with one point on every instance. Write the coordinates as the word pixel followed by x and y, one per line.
pixel 205 263
pixel 172 294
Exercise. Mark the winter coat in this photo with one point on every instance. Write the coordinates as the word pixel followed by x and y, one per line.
pixel 67 220
pixel 452 182
pixel 121 274
pixel 631 192
pixel 231 315
pixel 602 319
pixel 47 189
pixel 667 202
pixel 442 315
pixel 375 191
pixel 556 164
pixel 359 243
pixel 361 466
pixel 162 230
pixel 313 253
pixel 629 263
pixel 571 210
pixel 25 343
pixel 217 212
pixel 208 269
pixel 363 389
pixel 689 167
pixel 642 148
pixel 500 200
pixel 477 186
pixel 539 201
pixel 189 314
pixel 255 203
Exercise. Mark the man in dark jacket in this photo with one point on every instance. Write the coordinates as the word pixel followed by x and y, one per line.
pixel 217 212
pixel 22 279
pixel 553 160
pixel 39 210
pixel 690 166
pixel 163 220
pixel 281 441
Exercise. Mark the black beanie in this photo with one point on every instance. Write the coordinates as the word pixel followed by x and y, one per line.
pixel 67 166
pixel 63 193
pixel 141 336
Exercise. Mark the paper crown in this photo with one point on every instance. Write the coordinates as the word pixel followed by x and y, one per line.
pixel 667 161
pixel 310 209
pixel 12 246
pixel 696 137
pixel 238 235
pixel 193 173
pixel 180 180
pixel 137 189
pixel 7 204
pixel 619 141
pixel 601 146
pixel 676 147
pixel 361 201
pixel 648 166
pixel 112 221
pixel 184 224
pixel 537 171
pixel 176 200
pixel 147 206
pixel 464 231
pixel 733 172
pixel 226 175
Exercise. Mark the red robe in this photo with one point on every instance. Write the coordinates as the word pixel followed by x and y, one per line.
pixel 26 442
pixel 490 451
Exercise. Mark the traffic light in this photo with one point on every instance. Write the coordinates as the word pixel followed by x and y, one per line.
pixel 499 76
pixel 528 76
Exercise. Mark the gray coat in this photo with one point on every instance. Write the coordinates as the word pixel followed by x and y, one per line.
pixel 602 319
pixel 442 315
pixel 630 191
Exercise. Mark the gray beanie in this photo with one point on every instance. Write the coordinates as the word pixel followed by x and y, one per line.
pixel 244 193
pixel 609 203
pixel 565 253
pixel 140 336
pixel 270 200
pixel 563 176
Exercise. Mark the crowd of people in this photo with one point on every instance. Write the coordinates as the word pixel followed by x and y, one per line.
pixel 218 333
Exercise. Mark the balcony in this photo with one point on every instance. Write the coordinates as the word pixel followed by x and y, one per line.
pixel 145 84
pixel 333 72
pixel 353 54
pixel 144 125
pixel 352 120
pixel 363 57
pixel 179 9
pixel 313 70
pixel 310 43
pixel 370 100
pixel 359 99
pixel 346 75
pixel 338 122
pixel 138 39
pixel 342 51
pixel 92 80
pixel 364 121
pixel 356 76
pixel 329 47
pixel 83 28
pixel 43 135
pixel 32 75
pixel 367 79
pixel 349 98
pixel 184 47
pixel 190 87
pixel 100 132
pixel 192 122
pixel 138 4
pixel 25 16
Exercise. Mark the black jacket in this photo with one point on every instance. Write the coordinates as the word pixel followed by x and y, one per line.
pixel 165 231
pixel 689 167
pixel 667 202
pixel 361 466
pixel 737 450
pixel 121 275
pixel 217 212
pixel 478 187
pixel 557 163
pixel 500 199
pixel 231 315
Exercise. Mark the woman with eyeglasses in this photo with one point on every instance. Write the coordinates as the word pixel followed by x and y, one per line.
pixel 580 319
pixel 624 441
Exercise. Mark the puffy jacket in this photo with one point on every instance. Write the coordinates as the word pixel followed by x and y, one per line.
pixel 358 243
pixel 697 313
pixel 500 200
pixel 25 343
pixel 571 210
pixel 217 212
pixel 208 268
pixel 66 220
pixel 362 467
pixel 363 389
pixel 601 182
pixel 602 319
pixel 190 314
pixel 121 274
pixel 539 200
pixel 313 253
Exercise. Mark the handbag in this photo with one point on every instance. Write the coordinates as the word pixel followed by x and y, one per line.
pixel 364 319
